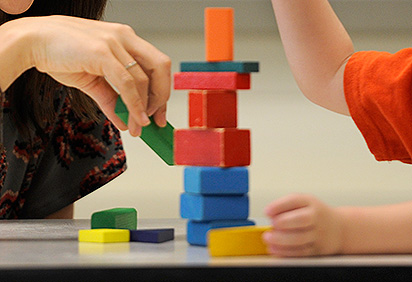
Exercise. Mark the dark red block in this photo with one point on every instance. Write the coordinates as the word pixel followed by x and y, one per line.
pixel 211 80
pixel 222 147
pixel 213 109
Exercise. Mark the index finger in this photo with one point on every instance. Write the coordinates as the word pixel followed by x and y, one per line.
pixel 157 67
pixel 286 204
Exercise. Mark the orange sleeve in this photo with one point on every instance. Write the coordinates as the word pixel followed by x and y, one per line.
pixel 378 91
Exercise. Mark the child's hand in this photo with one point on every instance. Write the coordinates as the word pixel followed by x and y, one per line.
pixel 303 226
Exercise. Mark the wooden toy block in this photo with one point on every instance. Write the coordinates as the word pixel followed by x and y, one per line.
pixel 91 248
pixel 219 34
pixel 152 235
pixel 211 81
pixel 222 147
pixel 205 208
pixel 237 241
pixel 197 230
pixel 216 180
pixel 121 110
pixel 228 66
pixel 117 218
pixel 104 235
pixel 213 109
pixel 159 139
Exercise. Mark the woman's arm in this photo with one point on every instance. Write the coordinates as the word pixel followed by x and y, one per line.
pixel 85 54
pixel 14 52
pixel 317 47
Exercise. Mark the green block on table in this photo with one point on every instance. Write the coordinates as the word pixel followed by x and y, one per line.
pixel 117 218
pixel 160 139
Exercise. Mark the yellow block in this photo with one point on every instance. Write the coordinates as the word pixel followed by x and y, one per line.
pixel 87 248
pixel 104 235
pixel 237 241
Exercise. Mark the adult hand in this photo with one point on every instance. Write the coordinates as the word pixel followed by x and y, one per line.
pixel 303 226
pixel 86 54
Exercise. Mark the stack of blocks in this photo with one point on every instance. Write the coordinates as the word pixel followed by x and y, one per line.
pixel 215 151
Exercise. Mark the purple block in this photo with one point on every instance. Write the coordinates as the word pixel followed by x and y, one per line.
pixel 152 235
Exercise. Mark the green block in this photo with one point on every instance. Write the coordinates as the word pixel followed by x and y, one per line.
pixel 117 218
pixel 121 110
pixel 159 139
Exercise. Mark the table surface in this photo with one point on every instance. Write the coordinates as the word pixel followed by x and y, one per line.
pixel 52 244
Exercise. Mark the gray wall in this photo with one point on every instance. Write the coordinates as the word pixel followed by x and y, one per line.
pixel 252 15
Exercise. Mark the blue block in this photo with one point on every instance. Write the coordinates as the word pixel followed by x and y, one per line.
pixel 197 230
pixel 152 235
pixel 202 208
pixel 216 180
pixel 226 66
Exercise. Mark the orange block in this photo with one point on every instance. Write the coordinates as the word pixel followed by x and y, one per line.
pixel 219 34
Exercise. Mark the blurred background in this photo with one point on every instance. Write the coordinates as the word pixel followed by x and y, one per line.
pixel 297 147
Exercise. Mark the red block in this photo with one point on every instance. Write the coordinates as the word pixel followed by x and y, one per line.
pixel 211 80
pixel 222 147
pixel 213 109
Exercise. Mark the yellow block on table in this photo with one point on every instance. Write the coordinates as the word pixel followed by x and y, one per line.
pixel 104 235
pixel 237 241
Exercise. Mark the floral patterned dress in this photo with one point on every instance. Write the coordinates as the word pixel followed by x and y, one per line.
pixel 73 159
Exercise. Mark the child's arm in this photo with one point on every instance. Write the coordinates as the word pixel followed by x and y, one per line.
pixel 317 47
pixel 304 226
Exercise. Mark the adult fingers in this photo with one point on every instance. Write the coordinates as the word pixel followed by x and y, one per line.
pixel 117 74
pixel 160 86
pixel 285 204
pixel 160 116
pixel 131 65
pixel 155 64
pixel 141 84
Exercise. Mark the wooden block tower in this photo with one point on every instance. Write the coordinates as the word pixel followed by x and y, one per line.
pixel 215 151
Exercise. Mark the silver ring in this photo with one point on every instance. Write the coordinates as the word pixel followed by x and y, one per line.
pixel 131 64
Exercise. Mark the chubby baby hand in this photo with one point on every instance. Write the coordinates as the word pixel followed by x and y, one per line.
pixel 303 226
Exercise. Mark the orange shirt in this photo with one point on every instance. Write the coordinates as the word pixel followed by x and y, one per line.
pixel 378 91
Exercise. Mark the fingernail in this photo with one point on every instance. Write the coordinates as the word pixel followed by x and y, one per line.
pixel 145 119
pixel 138 131
pixel 151 112
pixel 164 120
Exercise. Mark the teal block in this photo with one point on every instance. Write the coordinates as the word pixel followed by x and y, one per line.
pixel 226 66
pixel 116 218
pixel 159 139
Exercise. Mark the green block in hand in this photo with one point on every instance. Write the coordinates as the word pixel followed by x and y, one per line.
pixel 159 139
pixel 117 218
